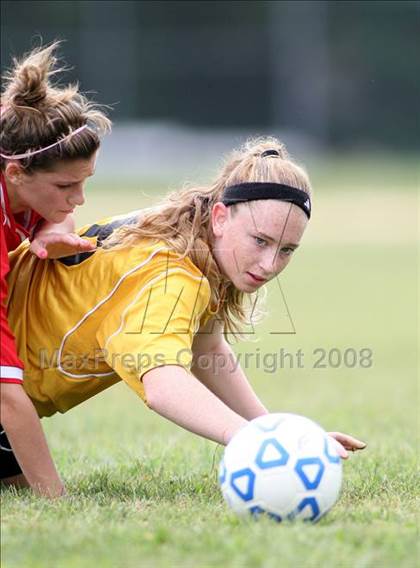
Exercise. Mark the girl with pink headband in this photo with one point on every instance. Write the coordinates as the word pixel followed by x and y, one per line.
pixel 49 139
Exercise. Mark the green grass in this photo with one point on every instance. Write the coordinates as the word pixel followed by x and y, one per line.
pixel 142 492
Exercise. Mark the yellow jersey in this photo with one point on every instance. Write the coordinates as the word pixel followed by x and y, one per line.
pixel 85 322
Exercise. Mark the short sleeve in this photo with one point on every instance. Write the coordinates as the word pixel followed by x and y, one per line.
pixel 155 325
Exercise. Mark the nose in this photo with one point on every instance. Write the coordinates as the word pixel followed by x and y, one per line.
pixel 271 264
pixel 77 196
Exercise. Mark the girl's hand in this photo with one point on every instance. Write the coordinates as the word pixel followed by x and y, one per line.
pixel 58 245
pixel 345 443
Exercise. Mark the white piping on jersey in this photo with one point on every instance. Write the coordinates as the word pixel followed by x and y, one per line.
pixel 7 372
pixel 154 281
pixel 3 206
pixel 98 305
pixel 92 310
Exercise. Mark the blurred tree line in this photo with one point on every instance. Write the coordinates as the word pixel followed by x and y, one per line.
pixel 343 72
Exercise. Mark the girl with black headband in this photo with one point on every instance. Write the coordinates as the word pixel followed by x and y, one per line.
pixel 49 138
pixel 151 305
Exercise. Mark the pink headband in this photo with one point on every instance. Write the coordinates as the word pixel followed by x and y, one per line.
pixel 33 152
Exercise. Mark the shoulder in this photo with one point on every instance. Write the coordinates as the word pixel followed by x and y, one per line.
pixel 105 227
pixel 170 282
pixel 152 267
pixel 164 267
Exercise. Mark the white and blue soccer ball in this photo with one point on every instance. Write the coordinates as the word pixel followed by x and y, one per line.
pixel 281 465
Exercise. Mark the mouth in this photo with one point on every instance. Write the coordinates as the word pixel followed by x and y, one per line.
pixel 68 211
pixel 256 279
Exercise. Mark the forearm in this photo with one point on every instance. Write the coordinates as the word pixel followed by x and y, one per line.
pixel 220 371
pixel 24 431
pixel 176 395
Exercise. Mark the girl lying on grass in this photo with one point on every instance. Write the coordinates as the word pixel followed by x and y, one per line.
pixel 160 291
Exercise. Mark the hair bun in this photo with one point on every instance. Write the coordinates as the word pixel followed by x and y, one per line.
pixel 41 114
pixel 27 83
pixel 30 87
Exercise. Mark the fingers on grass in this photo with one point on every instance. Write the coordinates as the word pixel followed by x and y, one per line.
pixel 355 443
pixel 342 452
pixel 349 442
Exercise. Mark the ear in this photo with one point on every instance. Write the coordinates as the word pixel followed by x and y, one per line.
pixel 219 216
pixel 14 173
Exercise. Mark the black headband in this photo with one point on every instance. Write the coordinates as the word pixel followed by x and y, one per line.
pixel 253 191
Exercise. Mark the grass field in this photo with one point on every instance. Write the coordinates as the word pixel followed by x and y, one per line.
pixel 142 492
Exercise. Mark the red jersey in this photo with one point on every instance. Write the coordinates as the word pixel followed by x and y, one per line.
pixel 13 230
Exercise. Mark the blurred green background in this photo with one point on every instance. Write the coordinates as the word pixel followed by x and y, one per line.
pixel 342 73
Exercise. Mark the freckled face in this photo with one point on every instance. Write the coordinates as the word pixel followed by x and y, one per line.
pixel 255 243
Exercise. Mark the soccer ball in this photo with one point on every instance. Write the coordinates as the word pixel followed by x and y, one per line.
pixel 281 465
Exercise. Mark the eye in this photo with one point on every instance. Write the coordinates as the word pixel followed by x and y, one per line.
pixel 64 185
pixel 260 242
pixel 287 251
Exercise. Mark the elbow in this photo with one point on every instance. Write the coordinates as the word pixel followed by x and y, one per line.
pixel 151 399
pixel 158 386
pixel 152 391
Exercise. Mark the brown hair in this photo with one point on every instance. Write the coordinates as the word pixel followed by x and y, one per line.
pixel 36 113
pixel 183 219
